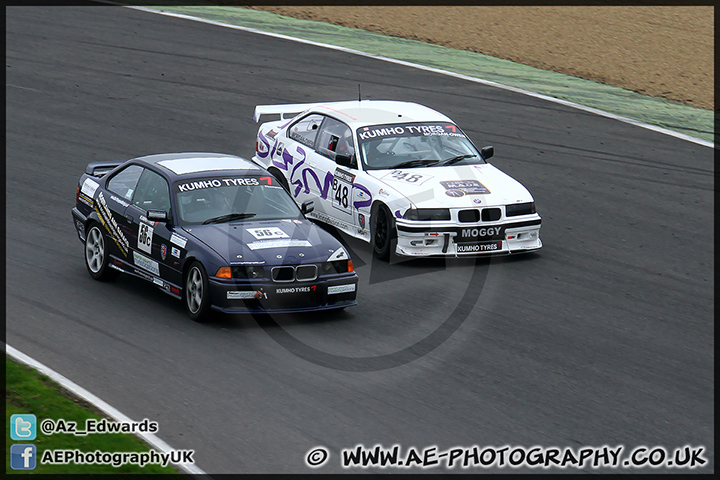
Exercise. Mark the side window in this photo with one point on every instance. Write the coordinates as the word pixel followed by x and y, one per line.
pixel 305 130
pixel 125 181
pixel 152 192
pixel 335 138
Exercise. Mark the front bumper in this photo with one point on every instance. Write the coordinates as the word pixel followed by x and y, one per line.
pixel 416 239
pixel 337 291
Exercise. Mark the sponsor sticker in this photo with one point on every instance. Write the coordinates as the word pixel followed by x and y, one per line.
pixel 175 252
pixel 278 244
pixel 268 233
pixel 107 219
pixel 146 263
pixel 339 254
pixel 163 251
pixel 468 187
pixel 178 240
pixel 241 295
pixel 89 186
pixel 473 233
pixel 87 201
pixel 341 289
pixel 119 200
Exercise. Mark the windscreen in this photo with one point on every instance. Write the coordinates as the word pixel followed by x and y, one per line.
pixel 415 144
pixel 223 199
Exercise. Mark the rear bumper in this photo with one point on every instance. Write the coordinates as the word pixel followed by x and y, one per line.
pixel 79 220
pixel 338 291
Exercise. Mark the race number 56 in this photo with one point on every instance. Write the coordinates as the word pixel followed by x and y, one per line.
pixel 145 235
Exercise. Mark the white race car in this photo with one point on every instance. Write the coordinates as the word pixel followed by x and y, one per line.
pixel 399 175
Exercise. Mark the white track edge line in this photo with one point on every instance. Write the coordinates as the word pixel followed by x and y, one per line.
pixel 566 103
pixel 150 438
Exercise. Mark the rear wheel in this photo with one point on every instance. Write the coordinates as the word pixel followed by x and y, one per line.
pixel 383 232
pixel 96 255
pixel 197 293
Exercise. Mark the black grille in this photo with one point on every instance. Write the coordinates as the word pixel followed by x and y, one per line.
pixel 469 216
pixel 490 214
pixel 283 274
pixel 305 273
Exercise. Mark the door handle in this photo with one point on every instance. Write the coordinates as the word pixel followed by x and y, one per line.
pixel 129 218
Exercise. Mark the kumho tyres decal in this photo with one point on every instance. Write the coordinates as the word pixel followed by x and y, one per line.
pixel 444 129
pixel 111 225
pixel 221 182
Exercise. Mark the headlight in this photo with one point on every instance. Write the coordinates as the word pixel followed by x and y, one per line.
pixel 337 266
pixel 427 214
pixel 520 209
pixel 248 271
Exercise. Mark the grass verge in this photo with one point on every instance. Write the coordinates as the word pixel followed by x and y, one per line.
pixel 28 391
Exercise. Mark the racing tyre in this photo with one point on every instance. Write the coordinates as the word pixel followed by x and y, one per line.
pixel 383 232
pixel 97 256
pixel 197 293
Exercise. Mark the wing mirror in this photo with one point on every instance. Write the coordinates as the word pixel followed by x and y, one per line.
pixel 345 160
pixel 487 152
pixel 158 215
pixel 307 207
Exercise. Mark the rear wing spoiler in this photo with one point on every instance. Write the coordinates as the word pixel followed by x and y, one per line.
pixel 98 169
pixel 282 110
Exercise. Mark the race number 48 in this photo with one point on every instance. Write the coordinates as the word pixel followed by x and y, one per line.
pixel 341 194
pixel 406 177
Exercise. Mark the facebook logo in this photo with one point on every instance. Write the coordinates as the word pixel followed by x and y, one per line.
pixel 22 457
pixel 23 427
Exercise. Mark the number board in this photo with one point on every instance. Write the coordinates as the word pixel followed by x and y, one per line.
pixel 342 190
pixel 145 235
pixel 407 177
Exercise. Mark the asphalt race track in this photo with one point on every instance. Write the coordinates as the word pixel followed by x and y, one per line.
pixel 604 337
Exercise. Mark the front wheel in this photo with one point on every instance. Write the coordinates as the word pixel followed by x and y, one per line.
pixel 383 232
pixel 96 255
pixel 197 293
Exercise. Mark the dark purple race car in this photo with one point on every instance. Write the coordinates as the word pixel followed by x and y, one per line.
pixel 215 230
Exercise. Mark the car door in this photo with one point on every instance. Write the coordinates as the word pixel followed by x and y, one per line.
pixel 111 205
pixel 295 156
pixel 149 239
pixel 344 195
